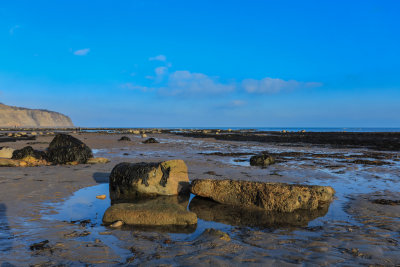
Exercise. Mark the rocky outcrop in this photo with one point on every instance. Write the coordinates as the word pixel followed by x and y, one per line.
pixel 153 212
pixel 66 148
pixel 262 160
pixel 268 196
pixel 140 180
pixel 209 210
pixel 23 117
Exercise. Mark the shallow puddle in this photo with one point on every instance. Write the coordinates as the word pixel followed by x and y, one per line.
pixel 83 206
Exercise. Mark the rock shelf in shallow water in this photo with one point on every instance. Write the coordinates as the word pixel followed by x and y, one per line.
pixel 279 197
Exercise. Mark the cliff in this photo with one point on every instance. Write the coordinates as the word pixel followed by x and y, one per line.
pixel 24 117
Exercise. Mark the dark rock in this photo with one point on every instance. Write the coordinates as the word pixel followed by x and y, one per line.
pixel 386 201
pixel 28 151
pixel 140 180
pixel 66 148
pixel 40 245
pixel 124 138
pixel 151 140
pixel 262 160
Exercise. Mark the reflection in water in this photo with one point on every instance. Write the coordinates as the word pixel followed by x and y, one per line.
pixel 174 229
pixel 209 210
pixel 5 235
pixel 157 214
pixel 182 200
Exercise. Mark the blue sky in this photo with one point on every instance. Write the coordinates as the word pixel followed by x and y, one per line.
pixel 204 63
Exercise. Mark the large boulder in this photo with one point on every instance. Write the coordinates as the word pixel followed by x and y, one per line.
pixel 6 152
pixel 140 180
pixel 268 196
pixel 262 160
pixel 154 212
pixel 66 148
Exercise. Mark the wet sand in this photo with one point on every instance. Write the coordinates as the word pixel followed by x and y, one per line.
pixel 58 204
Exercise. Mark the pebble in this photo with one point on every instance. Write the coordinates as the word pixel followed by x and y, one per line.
pixel 117 224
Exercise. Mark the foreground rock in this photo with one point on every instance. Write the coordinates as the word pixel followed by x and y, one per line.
pixel 262 160
pixel 6 152
pixel 124 138
pixel 268 196
pixel 209 210
pixel 139 180
pixel 150 213
pixel 66 148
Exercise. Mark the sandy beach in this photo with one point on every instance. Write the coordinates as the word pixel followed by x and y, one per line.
pixel 58 204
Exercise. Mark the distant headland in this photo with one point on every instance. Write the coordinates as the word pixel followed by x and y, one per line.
pixel 23 117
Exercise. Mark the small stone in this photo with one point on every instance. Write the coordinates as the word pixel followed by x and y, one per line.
pixel 117 224
pixel 124 138
pixel 97 160
pixel 101 196
pixel 144 135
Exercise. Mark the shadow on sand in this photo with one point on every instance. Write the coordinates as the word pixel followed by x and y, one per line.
pixel 101 177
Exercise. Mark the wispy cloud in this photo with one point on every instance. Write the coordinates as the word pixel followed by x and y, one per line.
pixel 82 52
pixel 186 83
pixel 13 29
pixel 274 85
pixel 158 58
pixel 135 87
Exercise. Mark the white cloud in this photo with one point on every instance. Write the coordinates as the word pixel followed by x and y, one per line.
pixel 13 28
pixel 132 86
pixel 160 71
pixel 82 52
pixel 187 83
pixel 237 103
pixel 272 85
pixel 158 58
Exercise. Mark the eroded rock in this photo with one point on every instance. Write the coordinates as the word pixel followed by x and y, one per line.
pixel 139 180
pixel 268 196
pixel 124 138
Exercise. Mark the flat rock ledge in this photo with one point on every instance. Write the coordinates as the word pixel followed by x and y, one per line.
pixel 279 197
pixel 150 213
pixel 130 181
